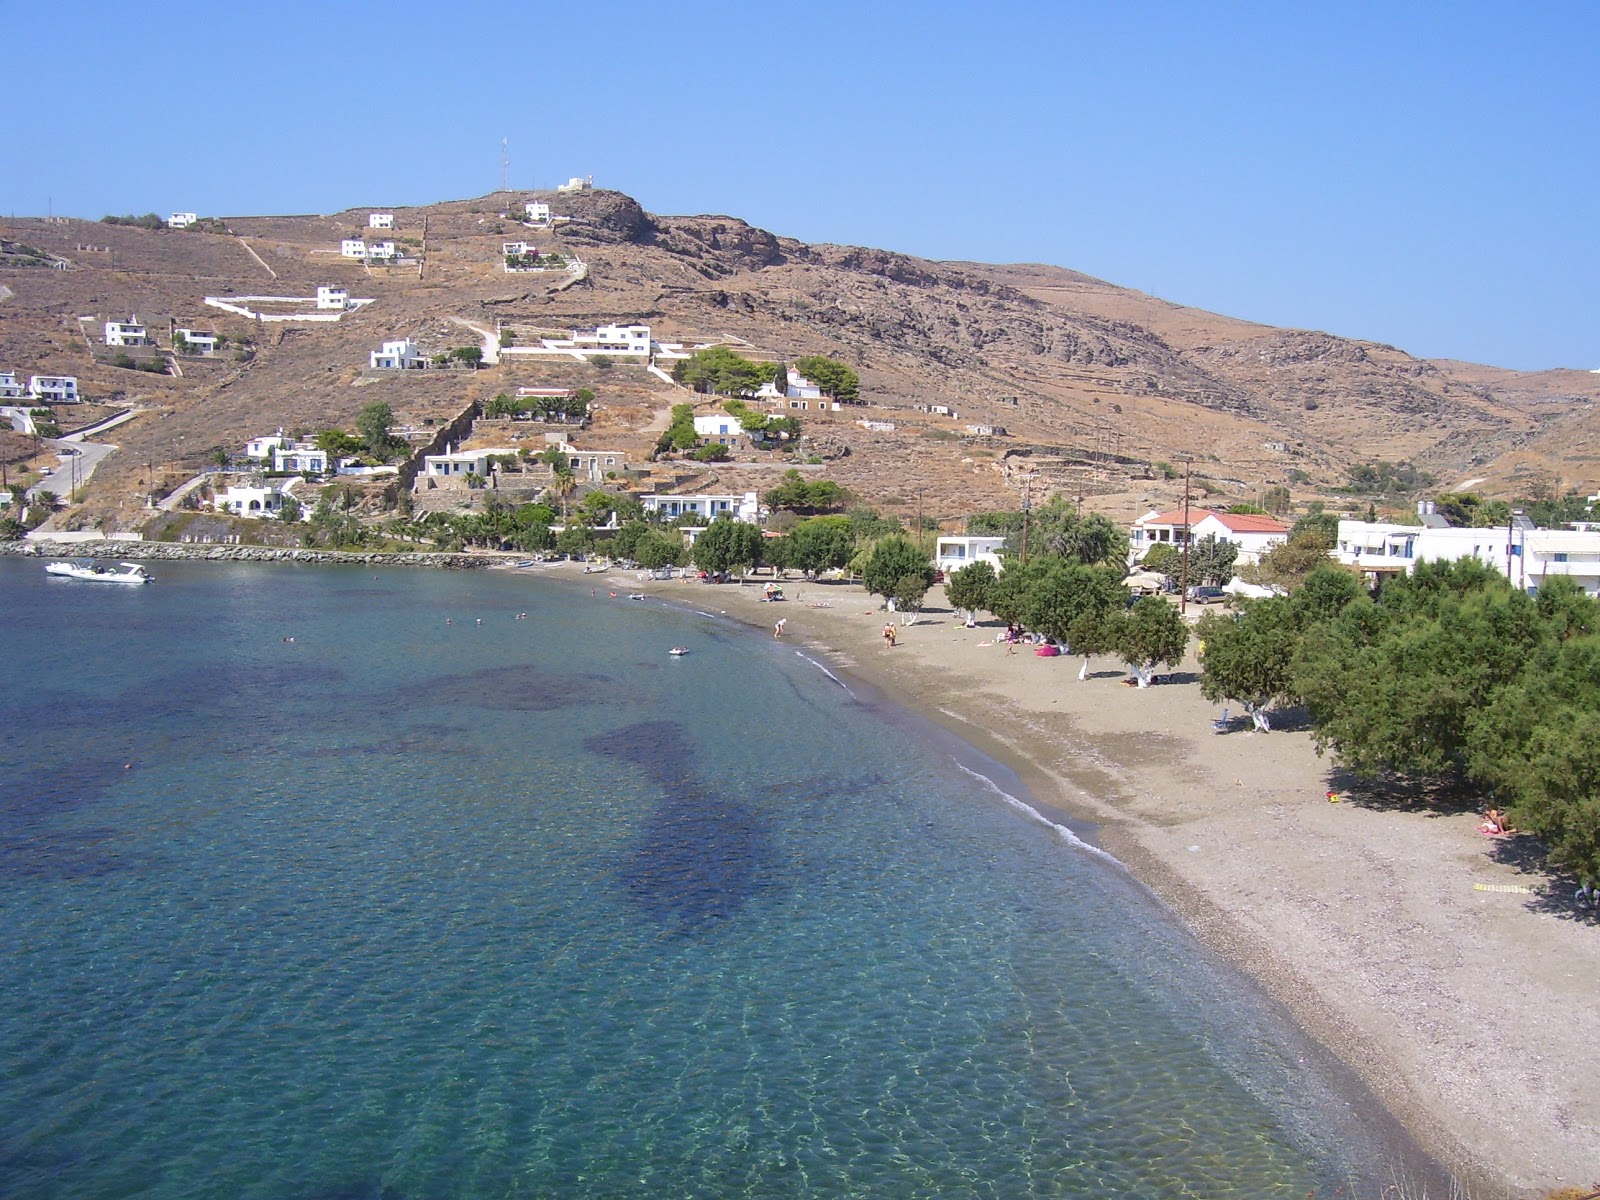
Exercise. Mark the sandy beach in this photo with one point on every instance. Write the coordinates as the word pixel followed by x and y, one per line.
pixel 1442 965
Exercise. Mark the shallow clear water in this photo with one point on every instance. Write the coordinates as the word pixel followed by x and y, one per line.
pixel 404 908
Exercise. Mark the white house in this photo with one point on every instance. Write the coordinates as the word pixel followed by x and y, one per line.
pixel 741 507
pixel 956 551
pixel 181 220
pixel 10 389
pixel 382 250
pixel 126 333
pixel 538 213
pixel 303 458
pixel 398 356
pixel 613 339
pixel 54 389
pixel 380 220
pixel 462 462
pixel 721 428
pixel 353 248
pixel 576 184
pixel 798 387
pixel 1526 555
pixel 1253 534
pixel 336 298
pixel 246 500
pixel 198 341
pixel 518 249
pixel 263 448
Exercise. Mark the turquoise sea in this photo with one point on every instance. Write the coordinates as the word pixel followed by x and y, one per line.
pixel 412 906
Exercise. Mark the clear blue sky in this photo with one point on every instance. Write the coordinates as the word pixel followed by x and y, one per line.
pixel 1419 174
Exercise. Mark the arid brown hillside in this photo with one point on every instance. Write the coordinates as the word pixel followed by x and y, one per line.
pixel 1092 384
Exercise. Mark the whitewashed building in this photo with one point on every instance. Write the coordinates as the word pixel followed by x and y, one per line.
pixel 538 213
pixel 722 428
pixel 383 251
pixel 181 220
pixel 797 387
pixel 577 183
pixel 10 389
pixel 262 449
pixel 197 341
pixel 1526 555
pixel 54 389
pixel 398 356
pixel 126 333
pixel 952 552
pixel 334 298
pixel 254 500
pixel 303 458
pixel 708 507
pixel 463 462
pixel 613 339
pixel 380 220
pixel 353 248
pixel 1252 533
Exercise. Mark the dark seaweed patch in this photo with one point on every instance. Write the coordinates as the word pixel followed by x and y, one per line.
pixel 703 855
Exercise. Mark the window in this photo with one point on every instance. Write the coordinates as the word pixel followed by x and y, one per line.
pixel 1561 557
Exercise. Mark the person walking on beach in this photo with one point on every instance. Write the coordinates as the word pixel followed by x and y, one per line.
pixel 777 630
pixel 889 635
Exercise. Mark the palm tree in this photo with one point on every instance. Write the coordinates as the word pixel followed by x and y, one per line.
pixel 561 488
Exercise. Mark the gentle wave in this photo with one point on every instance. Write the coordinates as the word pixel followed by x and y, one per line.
pixel 801 654
pixel 1060 830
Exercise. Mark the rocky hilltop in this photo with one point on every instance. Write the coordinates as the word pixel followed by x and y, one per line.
pixel 976 378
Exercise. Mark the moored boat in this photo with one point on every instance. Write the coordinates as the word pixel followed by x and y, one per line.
pixel 83 568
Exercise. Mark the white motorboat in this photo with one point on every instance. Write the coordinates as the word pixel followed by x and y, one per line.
pixel 83 568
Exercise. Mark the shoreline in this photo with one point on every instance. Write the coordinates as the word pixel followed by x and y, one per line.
pixel 1439 974
pixel 1442 972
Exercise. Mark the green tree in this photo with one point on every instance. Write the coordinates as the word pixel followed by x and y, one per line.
pixel 373 425
pixel 1091 540
pixel 1211 561
pixel 658 548
pixel 968 589
pixel 908 593
pixel 1150 635
pixel 891 561
pixel 471 355
pixel 1276 499
pixel 336 443
pixel 1248 656
pixel 1287 565
pixel 728 547
pixel 832 378
pixel 717 370
pixel 575 541
pixel 1072 604
pixel 1163 558
pixel 289 510
pixel 820 544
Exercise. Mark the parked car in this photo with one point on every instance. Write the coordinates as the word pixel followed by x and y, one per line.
pixel 1207 595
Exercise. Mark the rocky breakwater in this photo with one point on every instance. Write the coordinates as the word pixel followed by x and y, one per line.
pixel 170 551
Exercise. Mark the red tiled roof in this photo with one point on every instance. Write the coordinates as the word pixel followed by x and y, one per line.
pixel 1236 522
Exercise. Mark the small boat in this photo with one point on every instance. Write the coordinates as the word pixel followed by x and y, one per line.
pixel 637 596
pixel 83 568
pixel 678 651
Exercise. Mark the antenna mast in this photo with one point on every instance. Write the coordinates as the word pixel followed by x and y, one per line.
pixel 505 167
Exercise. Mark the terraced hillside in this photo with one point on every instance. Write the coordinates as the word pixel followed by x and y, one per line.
pixel 1091 384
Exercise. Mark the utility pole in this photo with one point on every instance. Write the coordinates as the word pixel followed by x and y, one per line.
pixel 1027 482
pixel 1510 522
pixel 1183 584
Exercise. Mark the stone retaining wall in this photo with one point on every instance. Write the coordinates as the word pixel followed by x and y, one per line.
pixel 147 551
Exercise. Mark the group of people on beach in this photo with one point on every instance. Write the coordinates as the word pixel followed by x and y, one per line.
pixel 891 636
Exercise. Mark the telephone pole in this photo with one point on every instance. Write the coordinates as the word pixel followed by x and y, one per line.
pixel 1027 482
pixel 1183 583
